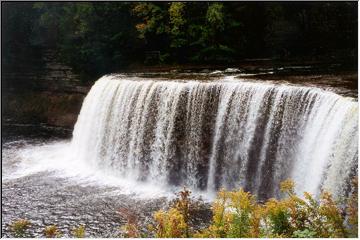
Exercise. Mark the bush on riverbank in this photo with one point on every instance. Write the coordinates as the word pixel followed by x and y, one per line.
pixel 237 214
pixel 19 227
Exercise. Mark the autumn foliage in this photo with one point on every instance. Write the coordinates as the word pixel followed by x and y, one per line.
pixel 237 214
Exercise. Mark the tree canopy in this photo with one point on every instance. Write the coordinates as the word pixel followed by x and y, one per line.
pixel 101 37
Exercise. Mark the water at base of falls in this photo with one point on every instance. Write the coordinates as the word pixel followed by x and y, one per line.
pixel 225 133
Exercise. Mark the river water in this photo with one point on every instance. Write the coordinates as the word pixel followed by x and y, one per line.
pixel 139 139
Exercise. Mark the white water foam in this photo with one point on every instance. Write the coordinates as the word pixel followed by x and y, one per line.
pixel 148 136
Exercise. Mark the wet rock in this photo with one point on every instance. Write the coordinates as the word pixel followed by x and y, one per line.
pixel 232 70
pixel 217 72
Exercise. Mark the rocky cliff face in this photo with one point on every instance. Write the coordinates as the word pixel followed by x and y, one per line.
pixel 42 90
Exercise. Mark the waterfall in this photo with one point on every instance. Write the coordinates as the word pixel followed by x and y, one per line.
pixel 225 133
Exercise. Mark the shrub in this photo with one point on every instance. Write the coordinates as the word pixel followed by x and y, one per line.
pixel 278 215
pixel 304 234
pixel 183 205
pixel 52 231
pixel 19 227
pixel 79 232
pixel 236 214
pixel 170 223
pixel 130 229
pixel 352 210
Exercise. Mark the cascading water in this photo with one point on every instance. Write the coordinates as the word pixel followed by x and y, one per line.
pixel 225 133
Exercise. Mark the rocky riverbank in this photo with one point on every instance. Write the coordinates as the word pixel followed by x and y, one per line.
pixel 47 91
pixel 42 91
pixel 57 109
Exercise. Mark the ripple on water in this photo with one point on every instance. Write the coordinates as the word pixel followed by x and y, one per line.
pixel 42 187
